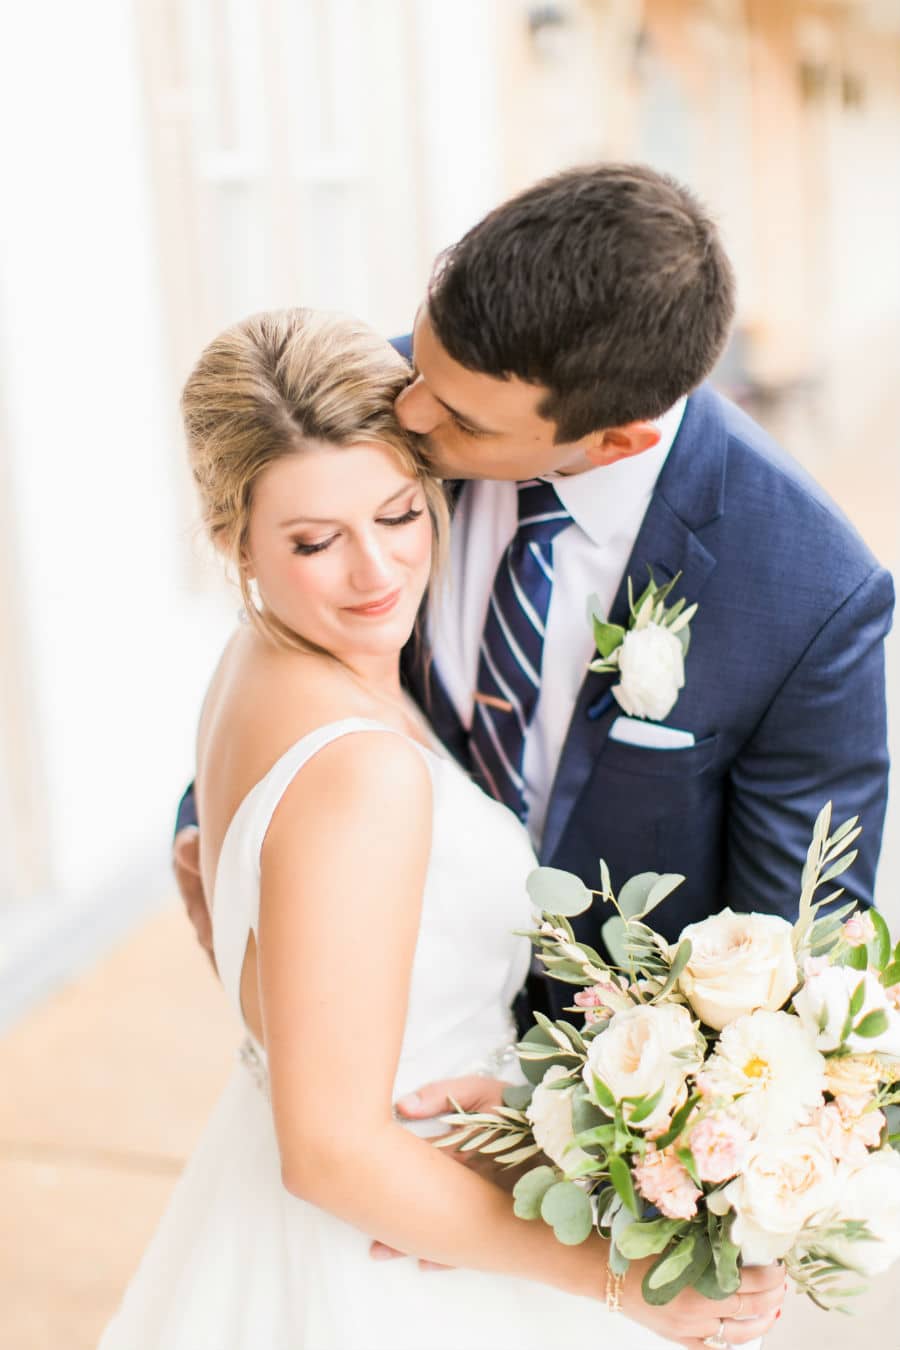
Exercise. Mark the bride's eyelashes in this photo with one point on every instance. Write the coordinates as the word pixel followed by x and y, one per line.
pixel 305 550
pixel 406 519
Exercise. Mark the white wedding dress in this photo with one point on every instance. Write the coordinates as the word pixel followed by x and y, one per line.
pixel 237 1262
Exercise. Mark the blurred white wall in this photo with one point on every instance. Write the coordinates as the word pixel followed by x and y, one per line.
pixel 169 166
pixel 107 641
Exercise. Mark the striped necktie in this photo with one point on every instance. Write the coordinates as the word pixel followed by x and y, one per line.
pixel 512 646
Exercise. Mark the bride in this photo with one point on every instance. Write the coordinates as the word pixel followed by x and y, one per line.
pixel 364 898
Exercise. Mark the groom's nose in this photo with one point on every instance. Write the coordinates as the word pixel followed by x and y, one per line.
pixel 417 409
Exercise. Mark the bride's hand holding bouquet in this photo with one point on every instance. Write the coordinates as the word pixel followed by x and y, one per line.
pixel 727 1101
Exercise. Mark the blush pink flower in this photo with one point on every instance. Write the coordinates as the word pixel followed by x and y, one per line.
pixel 849 1131
pixel 719 1144
pixel 663 1181
pixel 602 1000
pixel 859 930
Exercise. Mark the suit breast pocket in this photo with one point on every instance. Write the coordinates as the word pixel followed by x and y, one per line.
pixel 644 761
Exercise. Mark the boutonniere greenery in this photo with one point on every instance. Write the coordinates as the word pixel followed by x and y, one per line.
pixel 649 654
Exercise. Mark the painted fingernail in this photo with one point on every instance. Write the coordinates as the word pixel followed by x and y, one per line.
pixel 778 1314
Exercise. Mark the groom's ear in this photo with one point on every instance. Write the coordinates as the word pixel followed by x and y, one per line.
pixel 608 447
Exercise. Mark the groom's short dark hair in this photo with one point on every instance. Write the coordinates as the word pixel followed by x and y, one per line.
pixel 608 285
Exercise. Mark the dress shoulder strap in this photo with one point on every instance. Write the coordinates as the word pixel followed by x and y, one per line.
pixel 270 790
pixel 235 906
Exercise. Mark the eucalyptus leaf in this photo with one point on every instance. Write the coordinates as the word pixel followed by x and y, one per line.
pixel 519 1155
pixel 837 869
pixel 597 1136
pixel 726 1255
pixel 880 946
pixel 554 891
pixel 518 1095
pixel 873 1024
pixel 682 956
pixel 601 1093
pixel 679 1121
pixel 857 958
pixel 857 999
pixel 537 1054
pixel 585 1115
pixel 686 1158
pixel 567 1209
pixel 645 1106
pixel 634 894
pixel 698 1263
pixel 664 886
pixel 648 1238
pixel 891 974
pixel 620 1176
pixel 615 937
pixel 708 1284
pixel 529 1191
pixel 674 1264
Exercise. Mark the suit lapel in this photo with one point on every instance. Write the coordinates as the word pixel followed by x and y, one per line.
pixel 688 495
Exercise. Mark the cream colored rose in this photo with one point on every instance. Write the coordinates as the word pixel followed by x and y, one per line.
pixel 789 1182
pixel 855 1076
pixel 871 1192
pixel 739 963
pixel 644 1050
pixel 651 672
pixel 550 1113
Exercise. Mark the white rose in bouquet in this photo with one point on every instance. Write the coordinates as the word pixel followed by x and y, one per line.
pixel 651 672
pixel 788 1182
pixel 768 1067
pixel 823 1005
pixel 648 1049
pixel 550 1113
pixel 739 962
pixel 871 1193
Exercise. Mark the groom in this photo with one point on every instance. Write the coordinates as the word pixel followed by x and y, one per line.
pixel 566 338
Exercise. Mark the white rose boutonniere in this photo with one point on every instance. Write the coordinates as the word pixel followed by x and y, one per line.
pixel 648 654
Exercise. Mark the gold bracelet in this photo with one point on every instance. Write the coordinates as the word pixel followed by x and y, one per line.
pixel 614 1284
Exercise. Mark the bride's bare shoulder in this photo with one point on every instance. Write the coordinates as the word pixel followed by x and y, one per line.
pixel 269 697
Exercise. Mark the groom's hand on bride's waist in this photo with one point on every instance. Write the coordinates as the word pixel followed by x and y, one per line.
pixel 472 1093
pixel 186 866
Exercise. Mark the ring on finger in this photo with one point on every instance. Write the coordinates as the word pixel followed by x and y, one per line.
pixel 718 1341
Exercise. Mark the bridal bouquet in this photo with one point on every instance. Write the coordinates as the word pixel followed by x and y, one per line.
pixel 729 1099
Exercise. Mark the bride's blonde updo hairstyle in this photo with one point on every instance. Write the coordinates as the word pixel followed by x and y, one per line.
pixel 266 387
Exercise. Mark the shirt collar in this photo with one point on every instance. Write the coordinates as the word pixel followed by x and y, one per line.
pixel 610 501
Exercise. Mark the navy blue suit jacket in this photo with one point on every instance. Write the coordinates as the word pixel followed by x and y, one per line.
pixel 784 691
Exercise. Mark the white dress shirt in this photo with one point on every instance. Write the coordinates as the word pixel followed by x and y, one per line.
pixel 607 506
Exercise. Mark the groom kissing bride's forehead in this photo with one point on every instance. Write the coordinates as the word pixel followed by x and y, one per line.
pixel 567 339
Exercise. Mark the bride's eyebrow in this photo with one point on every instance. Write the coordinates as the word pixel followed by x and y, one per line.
pixel 317 520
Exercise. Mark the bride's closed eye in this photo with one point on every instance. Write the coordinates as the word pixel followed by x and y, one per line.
pixel 305 550
pixel 408 516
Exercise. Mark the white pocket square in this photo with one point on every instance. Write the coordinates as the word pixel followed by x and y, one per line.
pixel 650 735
